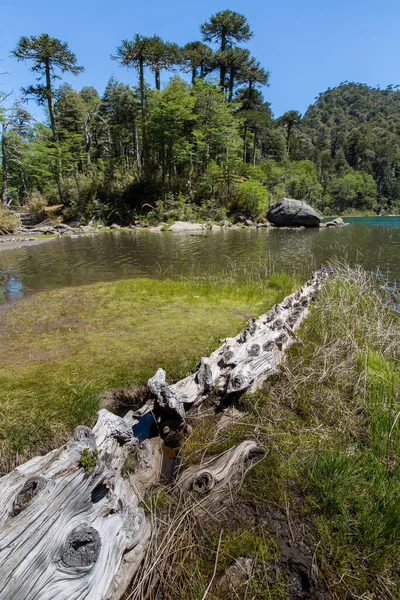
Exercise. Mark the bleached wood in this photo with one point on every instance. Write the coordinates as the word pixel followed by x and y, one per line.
pixel 34 560
pixel 209 481
pixel 243 362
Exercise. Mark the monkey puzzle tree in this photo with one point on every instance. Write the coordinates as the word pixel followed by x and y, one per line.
pixel 195 56
pixel 48 55
pixel 227 28
pixel 162 55
pixel 289 120
pixel 136 54
pixel 233 60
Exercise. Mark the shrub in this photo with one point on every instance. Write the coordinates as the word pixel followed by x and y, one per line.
pixel 36 202
pixel 251 197
pixel 8 221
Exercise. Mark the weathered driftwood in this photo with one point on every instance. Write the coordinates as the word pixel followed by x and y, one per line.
pixel 243 362
pixel 67 532
pixel 70 522
pixel 210 480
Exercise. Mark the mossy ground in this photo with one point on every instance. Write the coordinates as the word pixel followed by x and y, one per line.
pixel 61 350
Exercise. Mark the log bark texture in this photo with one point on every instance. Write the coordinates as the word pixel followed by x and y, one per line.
pixel 243 362
pixel 71 527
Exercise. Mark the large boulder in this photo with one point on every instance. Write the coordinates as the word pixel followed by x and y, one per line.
pixel 293 213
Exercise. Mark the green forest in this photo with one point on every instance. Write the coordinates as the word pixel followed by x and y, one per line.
pixel 204 146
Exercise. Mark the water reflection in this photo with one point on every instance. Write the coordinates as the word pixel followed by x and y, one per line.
pixel 105 257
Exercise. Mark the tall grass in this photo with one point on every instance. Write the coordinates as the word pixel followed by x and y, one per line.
pixel 8 221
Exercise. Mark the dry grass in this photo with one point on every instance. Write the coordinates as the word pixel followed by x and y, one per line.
pixel 8 222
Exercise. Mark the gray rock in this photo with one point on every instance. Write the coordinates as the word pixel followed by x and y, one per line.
pixel 293 213
pixel 115 226
pixel 335 223
pixel 237 574
pixel 179 226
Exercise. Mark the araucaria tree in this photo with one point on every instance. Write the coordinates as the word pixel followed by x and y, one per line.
pixel 47 55
pixel 227 28
pixel 290 119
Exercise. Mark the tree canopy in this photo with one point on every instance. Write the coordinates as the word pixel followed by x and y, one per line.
pixel 195 146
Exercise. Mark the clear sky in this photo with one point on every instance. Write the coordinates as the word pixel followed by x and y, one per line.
pixel 307 45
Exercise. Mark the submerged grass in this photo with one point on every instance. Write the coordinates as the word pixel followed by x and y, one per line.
pixel 60 351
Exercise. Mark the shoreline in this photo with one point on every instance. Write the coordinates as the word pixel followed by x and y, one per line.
pixel 13 242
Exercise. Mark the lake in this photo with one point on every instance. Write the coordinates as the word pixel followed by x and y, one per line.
pixel 373 242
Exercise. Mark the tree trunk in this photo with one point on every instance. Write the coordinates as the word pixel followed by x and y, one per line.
pixel 4 160
pixel 231 84
pixel 222 72
pixel 289 131
pixel 158 79
pixel 194 74
pixel 50 105
pixel 245 143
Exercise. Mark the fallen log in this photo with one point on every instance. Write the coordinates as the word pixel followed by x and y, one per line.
pixel 243 362
pixel 71 525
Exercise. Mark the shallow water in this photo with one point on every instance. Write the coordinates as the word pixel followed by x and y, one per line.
pixel 109 256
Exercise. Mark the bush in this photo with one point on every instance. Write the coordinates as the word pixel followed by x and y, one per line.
pixel 251 197
pixel 35 203
pixel 8 221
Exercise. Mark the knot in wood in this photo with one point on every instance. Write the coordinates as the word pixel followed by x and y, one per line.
pixel 280 340
pixel 204 377
pixel 203 483
pixel 228 357
pixel 238 381
pixel 254 350
pixel 252 328
pixel 269 346
pixel 82 547
pixel 29 490
pixel 278 324
pixel 293 318
pixel 254 454
pixel 270 316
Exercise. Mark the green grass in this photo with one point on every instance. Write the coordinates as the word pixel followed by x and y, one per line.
pixel 330 425
pixel 61 350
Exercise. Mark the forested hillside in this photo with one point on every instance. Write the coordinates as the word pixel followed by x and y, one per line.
pixel 205 145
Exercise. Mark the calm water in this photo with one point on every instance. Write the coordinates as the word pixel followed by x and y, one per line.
pixel 371 242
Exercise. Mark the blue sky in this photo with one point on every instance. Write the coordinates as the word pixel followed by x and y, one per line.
pixel 307 45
